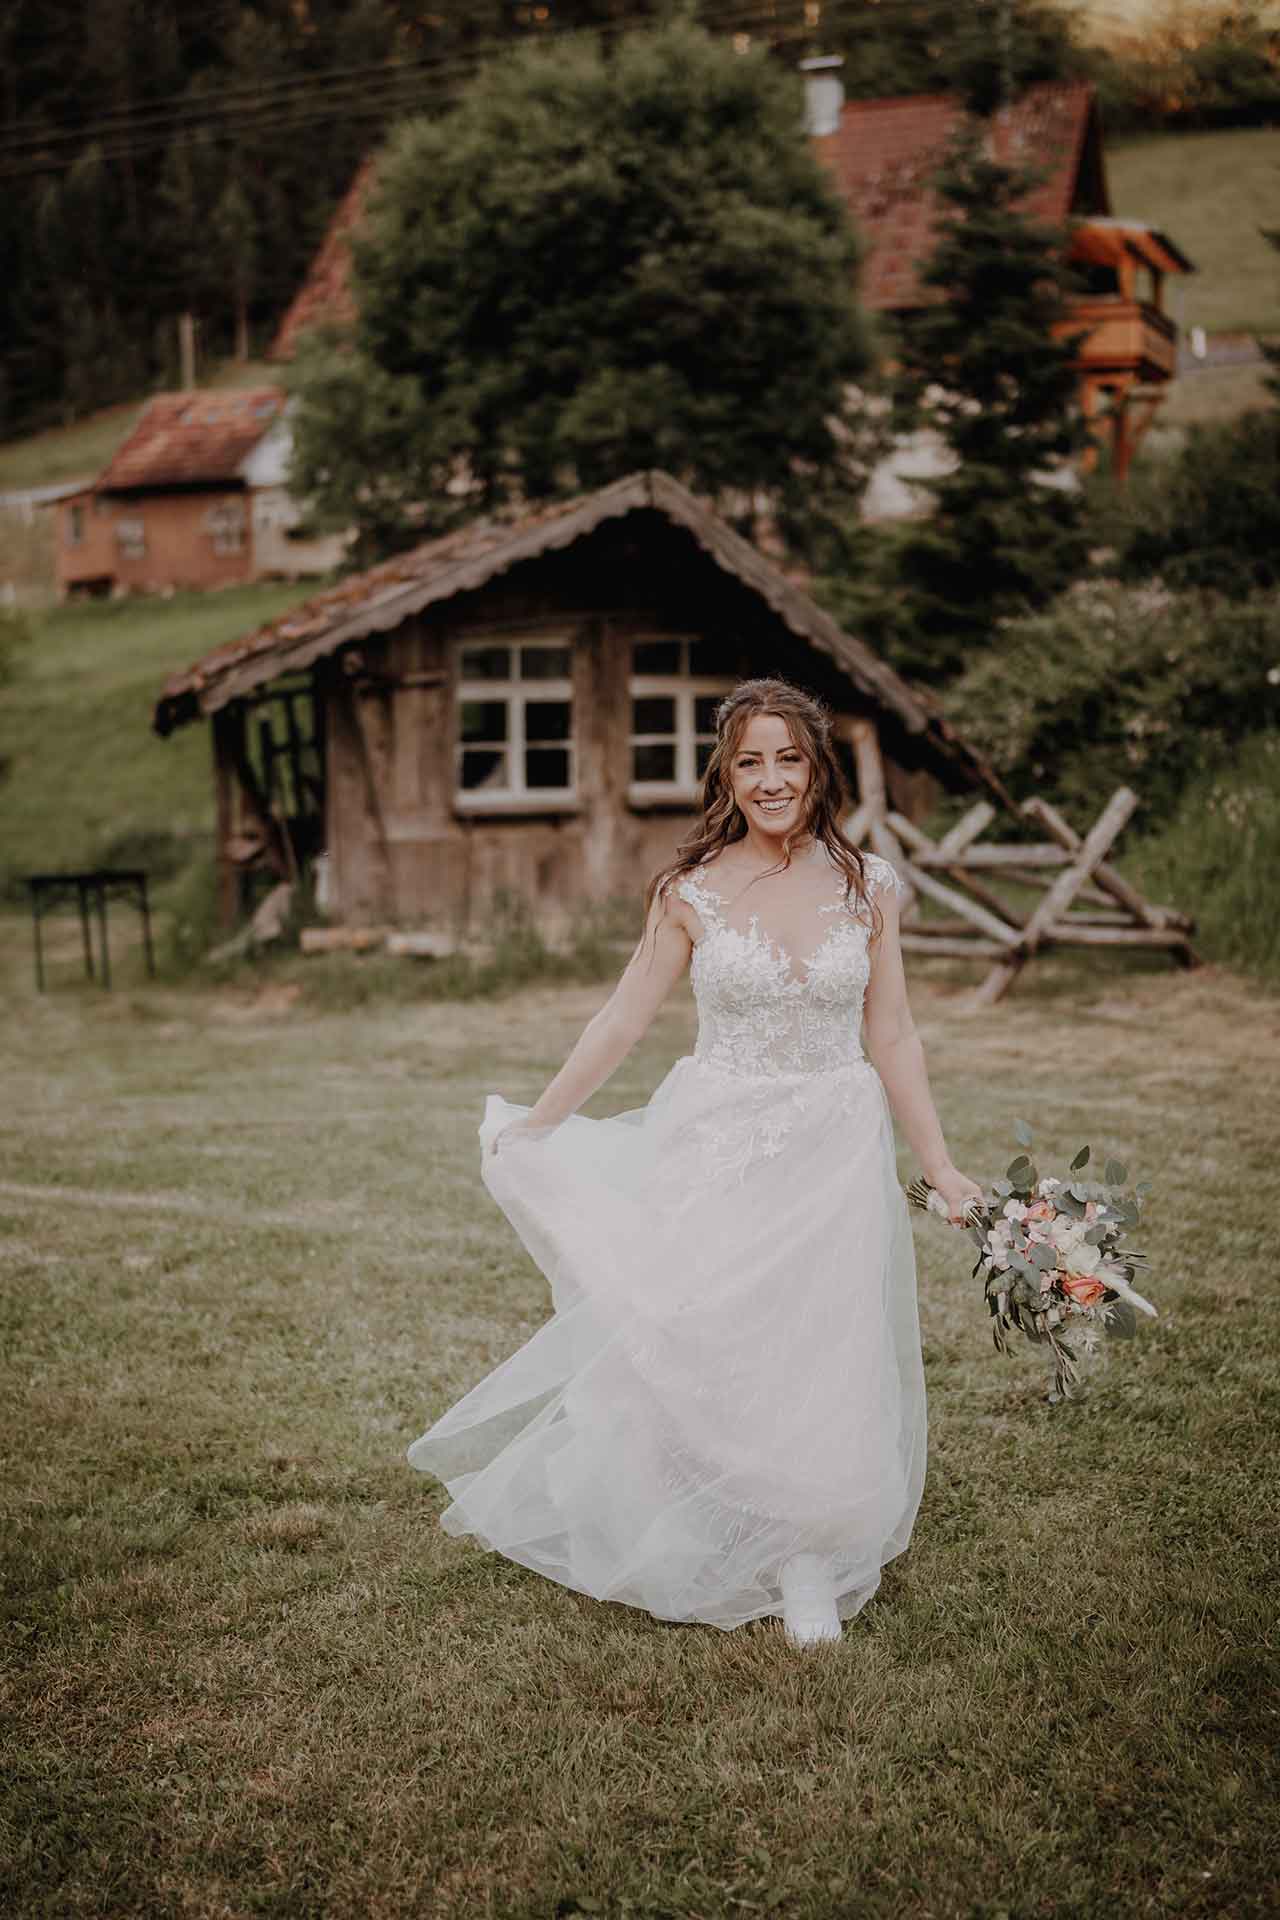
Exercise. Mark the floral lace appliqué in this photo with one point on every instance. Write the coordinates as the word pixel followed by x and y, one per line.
pixel 772 1026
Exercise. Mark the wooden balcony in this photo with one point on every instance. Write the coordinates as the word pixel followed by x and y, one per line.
pixel 1124 337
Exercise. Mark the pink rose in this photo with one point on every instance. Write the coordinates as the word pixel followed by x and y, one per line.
pixel 1083 1288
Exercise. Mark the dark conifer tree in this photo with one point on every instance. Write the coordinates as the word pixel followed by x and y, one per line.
pixel 987 365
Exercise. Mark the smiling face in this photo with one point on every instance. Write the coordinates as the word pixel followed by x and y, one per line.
pixel 770 777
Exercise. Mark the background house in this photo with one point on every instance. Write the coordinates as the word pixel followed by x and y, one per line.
pixel 522 707
pixel 194 497
pixel 882 155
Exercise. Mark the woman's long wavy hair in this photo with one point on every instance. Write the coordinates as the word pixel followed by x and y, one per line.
pixel 825 800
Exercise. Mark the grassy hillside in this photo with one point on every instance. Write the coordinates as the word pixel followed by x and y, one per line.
pixel 1211 193
pixel 86 775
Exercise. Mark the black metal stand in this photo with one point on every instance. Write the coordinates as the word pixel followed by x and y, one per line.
pixel 91 890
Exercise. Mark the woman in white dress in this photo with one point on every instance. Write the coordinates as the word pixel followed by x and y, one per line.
pixel 724 1417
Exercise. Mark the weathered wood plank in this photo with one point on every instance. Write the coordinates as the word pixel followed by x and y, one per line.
pixel 964 949
pixel 966 829
pixel 960 903
pixel 1106 876
pixel 1058 897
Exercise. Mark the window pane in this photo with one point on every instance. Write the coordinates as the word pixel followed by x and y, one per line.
pixel 714 656
pixel 546 767
pixel 653 763
pixel 653 716
pixel 486 663
pixel 483 767
pixel 545 663
pixel 655 656
pixel 484 720
pixel 701 755
pixel 547 720
pixel 704 712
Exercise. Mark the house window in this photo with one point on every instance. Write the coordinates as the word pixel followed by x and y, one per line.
pixel 131 538
pixel 75 524
pixel 225 526
pixel 676 686
pixel 515 724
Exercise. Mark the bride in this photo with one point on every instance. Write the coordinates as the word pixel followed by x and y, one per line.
pixel 724 1417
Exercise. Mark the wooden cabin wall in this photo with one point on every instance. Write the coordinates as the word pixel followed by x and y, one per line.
pixel 399 850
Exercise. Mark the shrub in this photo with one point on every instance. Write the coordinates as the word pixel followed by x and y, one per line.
pixel 1218 857
pixel 1119 684
pixel 1211 516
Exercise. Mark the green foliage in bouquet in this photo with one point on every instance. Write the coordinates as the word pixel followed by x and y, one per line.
pixel 1054 1255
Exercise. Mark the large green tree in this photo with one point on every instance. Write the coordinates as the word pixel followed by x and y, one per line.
pixel 597 263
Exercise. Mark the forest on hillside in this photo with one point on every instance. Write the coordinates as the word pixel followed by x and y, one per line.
pixel 161 157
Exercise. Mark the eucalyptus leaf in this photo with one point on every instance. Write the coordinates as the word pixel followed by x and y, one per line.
pixel 1142 1189
pixel 1081 1160
pixel 1043 1259
pixel 1017 1167
pixel 1022 1133
pixel 1122 1321
pixel 1079 1191
pixel 1096 1235
pixel 1116 1173
pixel 1003 1187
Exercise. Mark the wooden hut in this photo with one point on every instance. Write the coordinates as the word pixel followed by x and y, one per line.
pixel 522 707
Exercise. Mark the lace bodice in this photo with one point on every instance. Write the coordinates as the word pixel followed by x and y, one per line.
pixel 761 1012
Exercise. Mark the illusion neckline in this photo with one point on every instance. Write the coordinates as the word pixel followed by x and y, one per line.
pixel 753 932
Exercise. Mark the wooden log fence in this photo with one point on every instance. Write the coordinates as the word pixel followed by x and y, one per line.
pixel 1083 901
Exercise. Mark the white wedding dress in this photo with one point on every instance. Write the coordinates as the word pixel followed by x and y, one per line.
pixel 732 1371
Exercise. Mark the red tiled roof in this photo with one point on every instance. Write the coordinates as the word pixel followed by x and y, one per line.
pixel 883 153
pixel 192 439
pixel 881 159
pixel 324 298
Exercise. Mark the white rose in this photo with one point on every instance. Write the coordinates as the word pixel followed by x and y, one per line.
pixel 1084 1259
pixel 1014 1210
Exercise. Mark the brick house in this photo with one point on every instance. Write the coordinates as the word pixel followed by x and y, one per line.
pixel 194 497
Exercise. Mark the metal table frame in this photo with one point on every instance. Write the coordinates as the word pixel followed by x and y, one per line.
pixel 91 890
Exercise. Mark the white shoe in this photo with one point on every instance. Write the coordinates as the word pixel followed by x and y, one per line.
pixel 808 1601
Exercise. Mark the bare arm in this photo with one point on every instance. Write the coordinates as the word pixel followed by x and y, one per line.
pixel 605 1042
pixel 895 1051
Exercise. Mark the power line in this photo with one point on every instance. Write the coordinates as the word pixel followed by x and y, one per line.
pixel 369 91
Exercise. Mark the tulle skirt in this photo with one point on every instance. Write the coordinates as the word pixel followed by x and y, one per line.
pixel 731 1373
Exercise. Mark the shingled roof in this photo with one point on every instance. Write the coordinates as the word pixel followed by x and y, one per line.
pixel 192 439
pixel 884 152
pixel 324 298
pixel 460 562
pixel 881 158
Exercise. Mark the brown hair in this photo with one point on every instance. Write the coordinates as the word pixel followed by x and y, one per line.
pixel 825 800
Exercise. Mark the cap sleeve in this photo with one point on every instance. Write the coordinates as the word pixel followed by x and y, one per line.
pixel 881 876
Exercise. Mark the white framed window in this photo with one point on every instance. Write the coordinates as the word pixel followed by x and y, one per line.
pixel 75 524
pixel 676 685
pixel 131 537
pixel 515 745
pixel 225 526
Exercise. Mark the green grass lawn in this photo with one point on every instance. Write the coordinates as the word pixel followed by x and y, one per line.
pixel 1211 193
pixel 248 1259
pixel 86 775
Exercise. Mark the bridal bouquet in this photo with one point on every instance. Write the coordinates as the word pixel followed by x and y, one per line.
pixel 1054 1255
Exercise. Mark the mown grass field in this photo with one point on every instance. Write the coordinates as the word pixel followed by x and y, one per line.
pixel 248 1258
